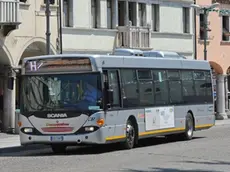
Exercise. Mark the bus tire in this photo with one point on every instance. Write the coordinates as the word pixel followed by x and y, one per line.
pixel 56 148
pixel 189 127
pixel 130 135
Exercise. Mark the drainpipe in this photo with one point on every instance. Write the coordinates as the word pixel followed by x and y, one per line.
pixel 195 36
pixel 60 25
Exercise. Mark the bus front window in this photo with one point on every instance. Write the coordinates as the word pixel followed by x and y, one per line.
pixel 62 92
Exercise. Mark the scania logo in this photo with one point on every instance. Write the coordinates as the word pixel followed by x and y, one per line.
pixel 56 115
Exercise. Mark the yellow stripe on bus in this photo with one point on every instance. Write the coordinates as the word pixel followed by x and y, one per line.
pixel 204 126
pixel 161 131
pixel 115 137
pixel 158 132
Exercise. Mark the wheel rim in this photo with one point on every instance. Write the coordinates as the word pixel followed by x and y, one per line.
pixel 189 127
pixel 130 134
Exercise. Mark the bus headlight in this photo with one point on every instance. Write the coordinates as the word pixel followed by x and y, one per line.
pixel 28 130
pixel 89 128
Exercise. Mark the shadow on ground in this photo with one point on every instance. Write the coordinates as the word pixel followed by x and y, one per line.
pixel 97 149
pixel 208 162
pixel 167 170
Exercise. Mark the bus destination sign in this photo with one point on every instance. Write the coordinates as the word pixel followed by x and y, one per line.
pixel 68 64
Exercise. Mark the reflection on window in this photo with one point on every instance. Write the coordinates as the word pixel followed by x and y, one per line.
pixel 208 83
pixel 144 74
pixel 130 89
pixel 175 89
pixel 188 84
pixel 161 87
pixel 57 92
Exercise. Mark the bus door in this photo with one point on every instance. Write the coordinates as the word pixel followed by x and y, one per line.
pixel 111 118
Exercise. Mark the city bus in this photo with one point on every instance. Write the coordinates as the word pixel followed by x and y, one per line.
pixel 80 99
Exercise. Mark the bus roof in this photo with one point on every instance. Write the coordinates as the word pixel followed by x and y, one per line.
pixel 115 61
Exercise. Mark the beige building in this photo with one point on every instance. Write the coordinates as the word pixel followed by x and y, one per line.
pixel 22 34
pixel 99 26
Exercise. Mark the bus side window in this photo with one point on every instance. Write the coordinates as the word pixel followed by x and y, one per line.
pixel 175 86
pixel 161 87
pixel 130 90
pixel 209 97
pixel 188 86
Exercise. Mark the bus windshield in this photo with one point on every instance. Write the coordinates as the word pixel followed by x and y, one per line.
pixel 61 92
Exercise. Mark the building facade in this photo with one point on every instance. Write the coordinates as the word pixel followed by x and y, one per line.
pixel 218 49
pixel 22 34
pixel 99 26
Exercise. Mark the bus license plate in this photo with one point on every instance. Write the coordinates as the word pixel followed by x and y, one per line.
pixel 56 138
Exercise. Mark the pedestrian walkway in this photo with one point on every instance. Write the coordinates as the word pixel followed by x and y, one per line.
pixel 7 141
pixel 222 122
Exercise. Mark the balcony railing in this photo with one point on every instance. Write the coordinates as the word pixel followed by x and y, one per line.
pixel 9 10
pixel 134 37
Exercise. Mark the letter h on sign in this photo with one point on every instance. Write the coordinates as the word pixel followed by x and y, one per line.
pixel 33 66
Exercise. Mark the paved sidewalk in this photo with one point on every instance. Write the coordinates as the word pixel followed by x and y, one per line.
pixel 7 140
pixel 222 122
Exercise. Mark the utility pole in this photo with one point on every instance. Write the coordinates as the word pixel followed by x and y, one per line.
pixel 48 27
pixel 206 11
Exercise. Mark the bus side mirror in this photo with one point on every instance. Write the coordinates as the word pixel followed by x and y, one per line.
pixel 10 83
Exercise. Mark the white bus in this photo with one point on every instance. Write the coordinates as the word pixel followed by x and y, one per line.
pixel 73 99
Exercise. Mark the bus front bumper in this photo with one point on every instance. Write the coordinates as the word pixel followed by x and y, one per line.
pixel 96 137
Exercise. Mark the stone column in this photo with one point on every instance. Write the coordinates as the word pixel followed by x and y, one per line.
pixel 9 104
pixel 226 97
pixel 220 90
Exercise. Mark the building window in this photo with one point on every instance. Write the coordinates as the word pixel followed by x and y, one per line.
pixel 95 17
pixel 133 13
pixel 66 13
pixel 121 13
pixel 225 28
pixel 52 2
pixel 202 28
pixel 109 14
pixel 24 1
pixel 186 20
pixel 155 17
pixel 142 14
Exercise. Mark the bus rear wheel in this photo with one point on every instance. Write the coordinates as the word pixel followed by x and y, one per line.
pixel 130 135
pixel 58 148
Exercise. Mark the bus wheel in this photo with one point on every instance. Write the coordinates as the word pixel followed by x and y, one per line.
pixel 58 148
pixel 189 129
pixel 130 135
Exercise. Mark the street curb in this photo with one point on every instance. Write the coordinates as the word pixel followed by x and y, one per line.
pixel 21 148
